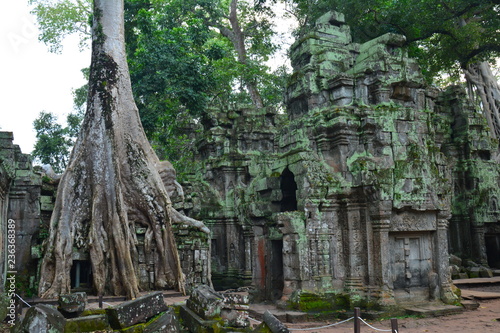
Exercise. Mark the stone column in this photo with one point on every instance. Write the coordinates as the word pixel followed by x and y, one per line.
pixel 354 278
pixel 249 264
pixel 442 259
pixel 478 244
pixel 381 278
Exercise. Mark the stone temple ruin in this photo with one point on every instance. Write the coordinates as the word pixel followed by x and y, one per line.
pixel 362 189
pixel 364 186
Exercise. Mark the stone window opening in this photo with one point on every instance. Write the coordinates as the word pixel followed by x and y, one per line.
pixel 288 190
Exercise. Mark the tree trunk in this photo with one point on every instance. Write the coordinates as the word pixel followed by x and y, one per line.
pixel 239 44
pixel 111 185
pixel 486 86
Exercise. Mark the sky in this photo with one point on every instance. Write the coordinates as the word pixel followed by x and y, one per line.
pixel 31 78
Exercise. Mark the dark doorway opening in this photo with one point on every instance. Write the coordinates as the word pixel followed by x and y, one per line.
pixel 276 270
pixel 81 274
pixel 492 242
pixel 288 191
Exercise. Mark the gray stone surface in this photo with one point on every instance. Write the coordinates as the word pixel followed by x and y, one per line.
pixel 91 323
pixel 167 322
pixel 42 318
pixel 349 190
pixel 274 324
pixel 136 311
pixel 72 305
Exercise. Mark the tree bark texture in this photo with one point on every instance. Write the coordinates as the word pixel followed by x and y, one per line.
pixel 111 185
pixel 479 75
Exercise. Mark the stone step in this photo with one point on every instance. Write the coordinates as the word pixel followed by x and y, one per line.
pixel 480 295
pixel 477 281
pixel 256 311
pixel 433 310
pixel 470 304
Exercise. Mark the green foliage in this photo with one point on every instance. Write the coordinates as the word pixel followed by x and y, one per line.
pixel 59 19
pixel 182 61
pixel 53 141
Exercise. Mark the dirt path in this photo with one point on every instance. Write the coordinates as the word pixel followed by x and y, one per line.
pixel 486 319
pixel 483 320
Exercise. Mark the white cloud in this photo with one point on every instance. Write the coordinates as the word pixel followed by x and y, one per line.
pixel 31 78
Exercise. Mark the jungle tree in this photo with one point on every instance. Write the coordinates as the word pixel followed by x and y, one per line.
pixel 111 184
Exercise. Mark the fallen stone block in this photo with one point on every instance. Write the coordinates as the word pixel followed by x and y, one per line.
pixel 136 311
pixel 274 325
pixel 234 311
pixel 87 324
pixel 454 260
pixel 205 302
pixel 195 323
pixel 474 272
pixel 470 304
pixel 165 323
pixel 42 318
pixel 485 272
pixel 72 305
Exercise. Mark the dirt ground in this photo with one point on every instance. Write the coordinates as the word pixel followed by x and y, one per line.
pixel 486 319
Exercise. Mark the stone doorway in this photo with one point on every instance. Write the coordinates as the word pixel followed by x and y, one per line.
pixel 81 275
pixel 411 265
pixel 289 191
pixel 492 242
pixel 276 270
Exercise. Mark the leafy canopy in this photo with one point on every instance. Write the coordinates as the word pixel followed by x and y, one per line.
pixel 54 141
pixel 182 60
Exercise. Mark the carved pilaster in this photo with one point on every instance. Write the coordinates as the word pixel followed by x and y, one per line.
pixel 356 250
pixel 381 277
pixel 478 244
pixel 442 260
pixel 248 237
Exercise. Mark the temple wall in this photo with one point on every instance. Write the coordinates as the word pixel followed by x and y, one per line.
pixel 355 189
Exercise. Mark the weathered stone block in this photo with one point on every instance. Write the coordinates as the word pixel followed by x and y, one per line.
pixel 136 311
pixel 165 323
pixel 205 302
pixel 235 318
pixel 455 271
pixel 87 324
pixel 46 203
pixel 454 260
pixel 274 325
pixel 474 272
pixel 72 305
pixel 195 323
pixel 42 318
pixel 485 272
